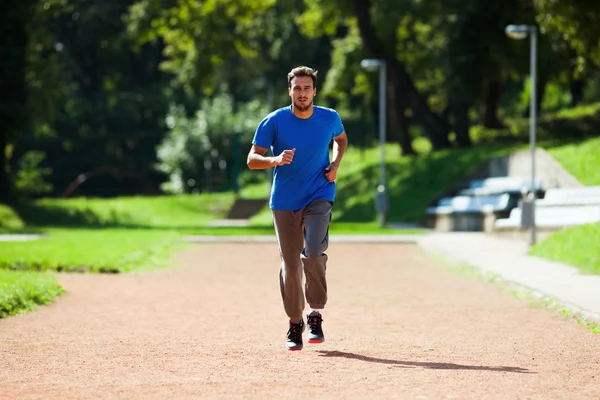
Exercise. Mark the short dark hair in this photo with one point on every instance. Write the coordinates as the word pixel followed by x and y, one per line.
pixel 302 71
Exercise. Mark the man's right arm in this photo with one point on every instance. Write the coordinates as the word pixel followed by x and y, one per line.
pixel 257 160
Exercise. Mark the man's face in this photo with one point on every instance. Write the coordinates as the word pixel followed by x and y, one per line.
pixel 302 92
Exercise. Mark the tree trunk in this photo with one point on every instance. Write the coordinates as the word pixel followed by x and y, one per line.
pixel 460 111
pixel 576 89
pixel 541 92
pixel 5 181
pixel 491 103
pixel 398 75
pixel 398 128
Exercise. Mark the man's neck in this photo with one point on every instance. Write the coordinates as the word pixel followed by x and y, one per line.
pixel 303 114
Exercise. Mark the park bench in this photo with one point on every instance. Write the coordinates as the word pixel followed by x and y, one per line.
pixel 468 213
pixel 500 185
pixel 571 196
pixel 560 207
pixel 476 207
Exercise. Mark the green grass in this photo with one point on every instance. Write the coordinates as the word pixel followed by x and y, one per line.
pixel 24 291
pixel 9 220
pixel 577 246
pixel 160 212
pixel 101 250
pixel 580 159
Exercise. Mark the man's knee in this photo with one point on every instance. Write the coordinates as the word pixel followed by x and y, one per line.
pixel 314 249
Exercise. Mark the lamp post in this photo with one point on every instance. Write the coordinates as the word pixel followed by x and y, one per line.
pixel 520 32
pixel 381 195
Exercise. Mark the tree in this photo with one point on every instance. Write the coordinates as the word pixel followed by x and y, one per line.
pixel 110 103
pixel 377 24
pixel 14 44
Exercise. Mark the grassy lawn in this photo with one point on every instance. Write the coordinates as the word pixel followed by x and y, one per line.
pixel 581 159
pixel 101 250
pixel 9 220
pixel 160 212
pixel 24 291
pixel 577 246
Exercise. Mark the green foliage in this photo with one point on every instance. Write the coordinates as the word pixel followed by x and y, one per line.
pixel 199 36
pixel 97 104
pixel 9 219
pixel 161 212
pixel 577 246
pixel 567 124
pixel 90 85
pixel 578 23
pixel 24 291
pixel 104 250
pixel 31 177
pixel 208 143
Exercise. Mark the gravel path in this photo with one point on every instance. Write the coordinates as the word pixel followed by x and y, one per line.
pixel 398 325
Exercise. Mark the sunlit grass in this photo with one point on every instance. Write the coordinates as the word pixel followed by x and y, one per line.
pixel 100 250
pixel 24 291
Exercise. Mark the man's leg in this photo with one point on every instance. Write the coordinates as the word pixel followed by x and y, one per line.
pixel 288 228
pixel 317 216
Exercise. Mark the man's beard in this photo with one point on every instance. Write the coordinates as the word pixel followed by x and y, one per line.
pixel 303 107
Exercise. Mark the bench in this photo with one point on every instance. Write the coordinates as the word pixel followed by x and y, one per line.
pixel 471 204
pixel 554 216
pixel 468 213
pixel 559 208
pixel 499 185
pixel 571 196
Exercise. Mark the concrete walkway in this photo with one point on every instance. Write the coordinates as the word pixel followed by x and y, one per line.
pixel 508 259
pixel 21 237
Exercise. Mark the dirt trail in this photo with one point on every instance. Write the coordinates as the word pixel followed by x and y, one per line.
pixel 397 325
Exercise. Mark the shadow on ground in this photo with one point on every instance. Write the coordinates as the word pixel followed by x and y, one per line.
pixel 429 365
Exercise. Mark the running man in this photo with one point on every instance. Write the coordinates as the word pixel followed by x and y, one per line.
pixel 302 195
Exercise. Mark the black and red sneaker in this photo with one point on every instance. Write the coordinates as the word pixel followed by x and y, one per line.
pixel 315 328
pixel 294 336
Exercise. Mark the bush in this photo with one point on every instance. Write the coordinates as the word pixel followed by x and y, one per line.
pixel 9 219
pixel 198 152
pixel 575 123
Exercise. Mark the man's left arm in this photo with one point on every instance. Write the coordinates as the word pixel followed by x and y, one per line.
pixel 340 144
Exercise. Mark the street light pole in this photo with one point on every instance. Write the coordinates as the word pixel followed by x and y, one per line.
pixel 381 195
pixel 381 189
pixel 521 32
pixel 532 123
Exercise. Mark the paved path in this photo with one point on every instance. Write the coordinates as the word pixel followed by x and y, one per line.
pixel 398 325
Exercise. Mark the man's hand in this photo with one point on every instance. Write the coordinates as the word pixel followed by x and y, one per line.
pixel 331 172
pixel 285 157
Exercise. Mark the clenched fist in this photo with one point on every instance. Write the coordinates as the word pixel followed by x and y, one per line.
pixel 285 157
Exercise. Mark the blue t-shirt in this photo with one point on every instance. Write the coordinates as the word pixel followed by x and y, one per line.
pixel 303 180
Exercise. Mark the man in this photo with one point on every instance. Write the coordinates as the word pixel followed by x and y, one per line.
pixel 302 197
